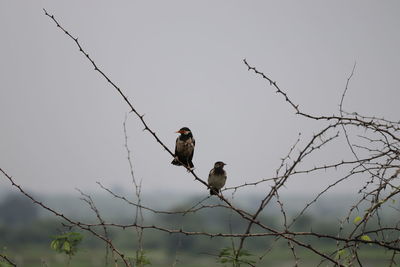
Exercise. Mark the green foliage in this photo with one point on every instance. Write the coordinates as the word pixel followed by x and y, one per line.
pixel 4 264
pixel 357 220
pixel 141 260
pixel 343 257
pixel 365 238
pixel 229 255
pixel 66 243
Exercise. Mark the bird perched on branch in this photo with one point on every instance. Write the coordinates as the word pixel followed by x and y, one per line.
pixel 217 178
pixel 184 148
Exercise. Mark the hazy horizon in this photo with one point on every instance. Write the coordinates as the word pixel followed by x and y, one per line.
pixel 180 64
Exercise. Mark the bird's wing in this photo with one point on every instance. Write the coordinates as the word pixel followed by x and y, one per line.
pixel 193 144
pixel 209 175
pixel 176 146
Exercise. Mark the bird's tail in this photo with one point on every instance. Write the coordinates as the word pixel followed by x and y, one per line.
pixel 214 191
pixel 176 162
pixel 190 163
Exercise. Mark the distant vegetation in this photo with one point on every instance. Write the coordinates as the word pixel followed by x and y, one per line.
pixel 26 236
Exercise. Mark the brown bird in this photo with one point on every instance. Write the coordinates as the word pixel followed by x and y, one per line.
pixel 217 178
pixel 184 148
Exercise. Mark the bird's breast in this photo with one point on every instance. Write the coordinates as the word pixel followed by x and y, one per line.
pixel 216 181
pixel 185 147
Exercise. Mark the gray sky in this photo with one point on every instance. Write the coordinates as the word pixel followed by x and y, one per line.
pixel 180 63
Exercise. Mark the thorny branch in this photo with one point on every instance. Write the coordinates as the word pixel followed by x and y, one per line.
pixel 88 200
pixel 138 190
pixel 251 219
pixel 377 164
pixel 4 257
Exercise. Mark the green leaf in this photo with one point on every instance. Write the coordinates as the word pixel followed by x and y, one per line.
pixel 357 219
pixel 366 238
pixel 341 254
pixel 54 244
pixel 228 255
pixel 66 243
pixel 141 259
pixel 67 247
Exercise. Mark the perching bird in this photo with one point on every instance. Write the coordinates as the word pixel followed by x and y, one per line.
pixel 217 178
pixel 184 148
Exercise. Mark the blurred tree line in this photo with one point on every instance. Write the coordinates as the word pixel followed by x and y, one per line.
pixel 21 226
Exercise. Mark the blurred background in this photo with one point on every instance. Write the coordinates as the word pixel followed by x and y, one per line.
pixel 180 64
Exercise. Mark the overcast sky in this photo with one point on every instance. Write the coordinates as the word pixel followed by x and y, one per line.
pixel 180 63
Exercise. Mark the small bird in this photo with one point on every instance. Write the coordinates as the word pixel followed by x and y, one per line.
pixel 184 148
pixel 217 178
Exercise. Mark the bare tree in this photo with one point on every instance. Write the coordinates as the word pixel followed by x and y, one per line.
pixel 375 149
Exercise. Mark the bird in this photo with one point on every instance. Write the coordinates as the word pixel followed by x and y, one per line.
pixel 217 178
pixel 184 148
